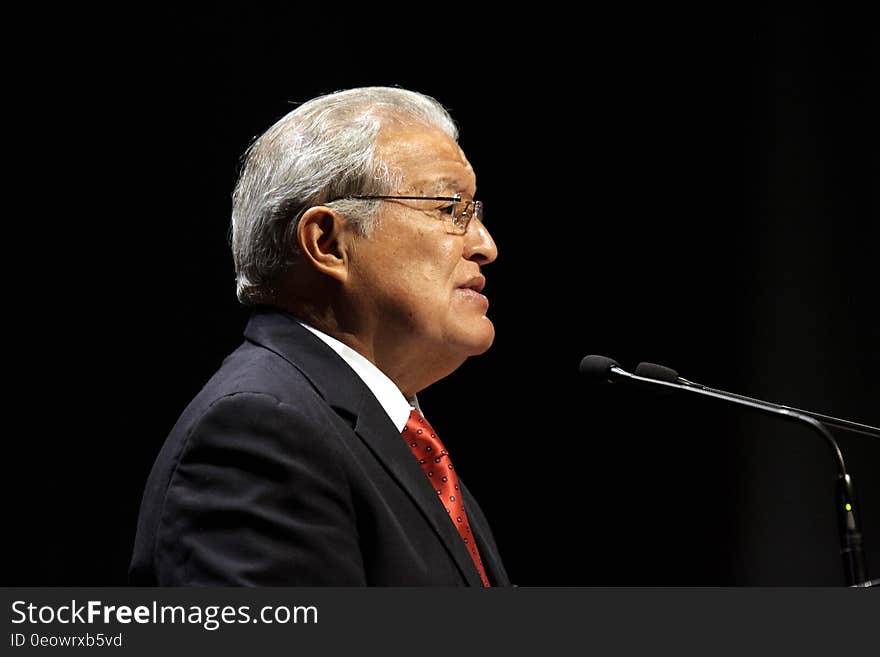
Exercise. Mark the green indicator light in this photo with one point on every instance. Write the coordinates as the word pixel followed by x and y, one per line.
pixel 848 506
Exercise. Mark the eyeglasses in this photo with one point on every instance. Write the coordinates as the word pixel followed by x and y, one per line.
pixel 459 212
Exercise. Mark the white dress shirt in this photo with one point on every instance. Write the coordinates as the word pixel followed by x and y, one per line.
pixel 392 400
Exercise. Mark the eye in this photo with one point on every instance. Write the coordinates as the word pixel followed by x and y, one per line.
pixel 449 209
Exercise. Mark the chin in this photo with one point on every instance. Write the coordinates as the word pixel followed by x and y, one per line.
pixel 480 340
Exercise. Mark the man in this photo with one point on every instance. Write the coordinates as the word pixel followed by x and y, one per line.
pixel 305 459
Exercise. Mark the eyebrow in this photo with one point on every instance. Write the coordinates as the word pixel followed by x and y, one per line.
pixel 445 182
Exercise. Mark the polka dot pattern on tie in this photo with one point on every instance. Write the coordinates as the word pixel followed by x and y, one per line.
pixel 434 459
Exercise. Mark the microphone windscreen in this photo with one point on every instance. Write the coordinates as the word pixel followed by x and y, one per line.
pixel 597 368
pixel 656 372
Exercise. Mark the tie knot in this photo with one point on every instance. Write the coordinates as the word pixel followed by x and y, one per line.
pixel 415 418
pixel 422 438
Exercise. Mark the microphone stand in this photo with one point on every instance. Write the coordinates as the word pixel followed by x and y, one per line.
pixel 851 547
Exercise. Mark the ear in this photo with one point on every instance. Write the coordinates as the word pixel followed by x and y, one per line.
pixel 321 237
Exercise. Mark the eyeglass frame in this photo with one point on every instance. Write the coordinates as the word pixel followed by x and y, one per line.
pixel 476 211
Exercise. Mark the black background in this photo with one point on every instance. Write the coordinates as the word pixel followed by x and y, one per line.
pixel 694 188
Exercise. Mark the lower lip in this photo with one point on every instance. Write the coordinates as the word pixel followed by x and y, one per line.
pixel 473 295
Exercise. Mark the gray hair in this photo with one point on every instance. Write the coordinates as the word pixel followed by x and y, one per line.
pixel 321 151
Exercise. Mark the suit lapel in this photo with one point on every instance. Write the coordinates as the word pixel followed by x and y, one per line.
pixel 485 541
pixel 348 395
pixel 381 436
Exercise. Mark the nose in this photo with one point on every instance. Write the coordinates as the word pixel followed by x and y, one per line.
pixel 478 243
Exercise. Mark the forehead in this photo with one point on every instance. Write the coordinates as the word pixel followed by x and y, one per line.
pixel 427 158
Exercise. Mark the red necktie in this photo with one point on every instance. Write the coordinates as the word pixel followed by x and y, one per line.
pixel 434 459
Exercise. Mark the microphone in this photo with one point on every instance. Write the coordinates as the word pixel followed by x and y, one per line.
pixel 601 368
pixel 659 372
pixel 598 368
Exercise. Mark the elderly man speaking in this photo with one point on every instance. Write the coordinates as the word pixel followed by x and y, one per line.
pixel 306 460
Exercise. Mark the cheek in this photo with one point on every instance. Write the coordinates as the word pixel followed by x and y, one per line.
pixel 438 263
pixel 426 267
pixel 416 272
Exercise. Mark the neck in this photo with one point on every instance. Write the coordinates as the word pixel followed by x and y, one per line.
pixel 411 367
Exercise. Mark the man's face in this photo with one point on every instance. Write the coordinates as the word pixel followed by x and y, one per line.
pixel 418 281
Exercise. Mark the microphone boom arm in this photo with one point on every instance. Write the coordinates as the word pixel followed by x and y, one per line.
pixel 836 422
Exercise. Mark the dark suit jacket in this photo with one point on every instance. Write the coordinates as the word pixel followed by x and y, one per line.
pixel 285 470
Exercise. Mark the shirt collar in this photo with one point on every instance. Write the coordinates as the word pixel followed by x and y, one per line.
pixel 384 390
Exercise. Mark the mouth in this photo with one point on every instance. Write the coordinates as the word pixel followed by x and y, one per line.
pixel 477 283
pixel 472 290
